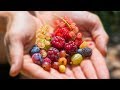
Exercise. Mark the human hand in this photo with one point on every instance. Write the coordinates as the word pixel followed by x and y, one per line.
pixel 93 31
pixel 86 69
pixel 19 37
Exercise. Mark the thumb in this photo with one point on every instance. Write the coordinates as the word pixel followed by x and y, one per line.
pixel 16 57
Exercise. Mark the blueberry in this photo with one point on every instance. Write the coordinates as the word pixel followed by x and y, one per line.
pixel 35 49
pixel 79 51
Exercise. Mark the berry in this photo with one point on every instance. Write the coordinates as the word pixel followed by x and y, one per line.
pixel 46 66
pixel 76 29
pixel 62 24
pixel 62 53
pixel 66 35
pixel 79 51
pixel 35 49
pixel 43 53
pixel 78 42
pixel 84 44
pixel 41 45
pixel 53 54
pixel 58 42
pixel 76 59
pixel 47 44
pixel 37 58
pixel 68 20
pixel 62 68
pixel 55 65
pixel 79 35
pixel 86 52
pixel 70 47
pixel 62 61
pixel 63 32
pixel 47 60
pixel 47 36
pixel 72 34
pixel 57 22
pixel 68 59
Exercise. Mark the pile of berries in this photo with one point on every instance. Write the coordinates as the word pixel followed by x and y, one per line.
pixel 61 48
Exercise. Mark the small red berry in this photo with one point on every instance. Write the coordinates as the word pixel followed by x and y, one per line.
pixel 68 59
pixel 62 24
pixel 78 42
pixel 55 65
pixel 46 66
pixel 56 22
pixel 72 34
pixel 63 53
pixel 79 35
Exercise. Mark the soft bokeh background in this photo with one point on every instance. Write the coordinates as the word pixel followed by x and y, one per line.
pixel 111 22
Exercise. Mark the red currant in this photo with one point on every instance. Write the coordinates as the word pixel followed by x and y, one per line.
pixel 46 66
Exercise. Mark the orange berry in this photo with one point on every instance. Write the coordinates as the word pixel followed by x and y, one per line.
pixel 62 61
pixel 84 44
pixel 63 53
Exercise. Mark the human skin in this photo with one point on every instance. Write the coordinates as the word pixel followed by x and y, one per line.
pixel 20 38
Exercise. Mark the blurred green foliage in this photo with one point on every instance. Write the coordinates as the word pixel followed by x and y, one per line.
pixel 111 23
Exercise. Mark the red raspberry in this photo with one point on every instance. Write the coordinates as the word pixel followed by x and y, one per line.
pixel 78 42
pixel 53 54
pixel 63 32
pixel 70 47
pixel 58 42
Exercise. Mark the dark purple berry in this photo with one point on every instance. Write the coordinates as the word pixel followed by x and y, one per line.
pixel 35 49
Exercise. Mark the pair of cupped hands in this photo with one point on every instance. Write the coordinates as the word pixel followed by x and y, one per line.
pixel 19 39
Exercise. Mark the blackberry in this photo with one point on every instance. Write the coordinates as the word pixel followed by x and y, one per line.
pixel 86 52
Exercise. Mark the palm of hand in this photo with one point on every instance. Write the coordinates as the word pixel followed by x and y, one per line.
pixel 90 68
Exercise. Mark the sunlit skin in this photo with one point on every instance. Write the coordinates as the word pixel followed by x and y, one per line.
pixel 20 38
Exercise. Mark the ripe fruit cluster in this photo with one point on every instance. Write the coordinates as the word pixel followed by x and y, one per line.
pixel 61 48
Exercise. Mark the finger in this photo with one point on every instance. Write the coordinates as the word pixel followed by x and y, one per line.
pixel 58 75
pixel 101 39
pixel 34 70
pixel 91 22
pixel 5 13
pixel 88 69
pixel 16 57
pixel 99 63
pixel 78 73
pixel 69 73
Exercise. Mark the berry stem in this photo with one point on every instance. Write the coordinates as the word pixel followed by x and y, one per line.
pixel 64 21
